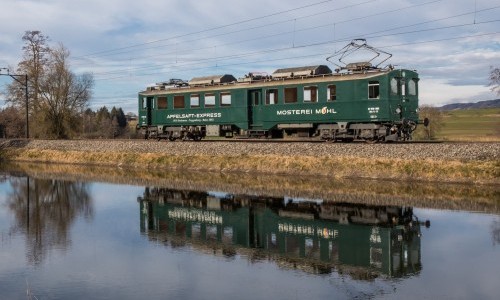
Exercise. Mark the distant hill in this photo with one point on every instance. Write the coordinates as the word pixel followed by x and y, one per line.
pixel 477 105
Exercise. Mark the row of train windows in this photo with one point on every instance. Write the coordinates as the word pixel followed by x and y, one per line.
pixel 310 95
pixel 290 95
pixel 179 100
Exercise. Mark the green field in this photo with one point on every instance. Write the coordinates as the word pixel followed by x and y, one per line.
pixel 471 125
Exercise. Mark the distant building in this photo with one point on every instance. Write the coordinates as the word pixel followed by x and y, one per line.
pixel 131 117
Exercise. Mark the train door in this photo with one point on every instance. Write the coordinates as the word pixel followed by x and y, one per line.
pixel 255 109
pixel 149 110
pixel 145 111
pixel 409 97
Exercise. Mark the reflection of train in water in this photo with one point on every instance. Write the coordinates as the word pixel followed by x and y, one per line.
pixel 361 240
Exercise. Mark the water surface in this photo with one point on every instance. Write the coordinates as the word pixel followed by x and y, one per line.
pixel 90 240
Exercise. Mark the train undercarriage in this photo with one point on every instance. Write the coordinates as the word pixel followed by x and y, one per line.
pixel 341 131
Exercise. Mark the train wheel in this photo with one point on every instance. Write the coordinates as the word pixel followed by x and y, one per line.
pixel 373 140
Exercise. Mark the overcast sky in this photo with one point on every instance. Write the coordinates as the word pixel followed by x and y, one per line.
pixel 128 45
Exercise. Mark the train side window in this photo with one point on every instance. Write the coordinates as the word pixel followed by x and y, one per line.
pixel 209 100
pixel 290 95
pixel 162 102
pixel 195 100
pixel 373 90
pixel 331 92
pixel 272 96
pixel 225 99
pixel 179 101
pixel 412 87
pixel 310 94
pixel 394 86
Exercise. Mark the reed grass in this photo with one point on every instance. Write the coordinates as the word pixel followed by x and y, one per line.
pixel 478 171
pixel 378 192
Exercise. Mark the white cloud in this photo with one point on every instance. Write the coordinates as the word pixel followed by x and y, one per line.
pixel 437 92
pixel 183 39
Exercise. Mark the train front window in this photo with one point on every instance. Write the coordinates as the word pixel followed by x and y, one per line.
pixel 331 92
pixel 373 90
pixel 144 102
pixel 290 95
pixel 394 86
pixel 195 100
pixel 310 94
pixel 179 101
pixel 225 99
pixel 162 102
pixel 209 100
pixel 412 87
pixel 272 96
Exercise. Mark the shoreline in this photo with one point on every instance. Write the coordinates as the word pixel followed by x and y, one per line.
pixel 438 195
pixel 477 163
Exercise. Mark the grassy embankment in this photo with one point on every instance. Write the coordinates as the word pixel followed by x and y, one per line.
pixel 484 171
pixel 481 125
pixel 460 125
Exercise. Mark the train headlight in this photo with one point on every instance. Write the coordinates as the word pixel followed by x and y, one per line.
pixel 398 110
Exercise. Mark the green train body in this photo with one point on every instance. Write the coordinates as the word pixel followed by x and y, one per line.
pixel 367 104
pixel 316 235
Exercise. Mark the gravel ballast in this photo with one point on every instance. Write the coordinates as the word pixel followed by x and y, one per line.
pixel 410 151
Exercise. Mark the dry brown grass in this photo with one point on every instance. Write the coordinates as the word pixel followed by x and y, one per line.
pixel 334 167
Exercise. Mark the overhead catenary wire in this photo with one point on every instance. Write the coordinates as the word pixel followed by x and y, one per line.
pixel 176 43
pixel 315 27
pixel 276 34
pixel 260 52
pixel 223 61
pixel 214 28
pixel 322 53
pixel 127 50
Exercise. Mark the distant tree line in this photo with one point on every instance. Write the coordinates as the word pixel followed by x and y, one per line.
pixel 102 123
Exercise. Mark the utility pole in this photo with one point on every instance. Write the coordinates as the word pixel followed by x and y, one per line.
pixel 25 83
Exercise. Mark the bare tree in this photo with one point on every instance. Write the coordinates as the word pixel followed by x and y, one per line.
pixel 435 117
pixel 56 95
pixel 495 80
pixel 35 57
pixel 63 95
pixel 12 123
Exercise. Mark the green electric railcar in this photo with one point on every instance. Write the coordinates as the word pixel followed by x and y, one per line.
pixel 368 104
pixel 381 239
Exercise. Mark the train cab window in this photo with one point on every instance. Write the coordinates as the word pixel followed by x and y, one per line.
pixel 331 92
pixel 144 103
pixel 412 87
pixel 373 90
pixel 179 101
pixel 195 100
pixel 310 94
pixel 225 99
pixel 272 96
pixel 290 95
pixel 394 86
pixel 209 100
pixel 162 102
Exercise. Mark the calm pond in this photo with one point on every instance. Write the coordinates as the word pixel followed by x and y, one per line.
pixel 84 239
